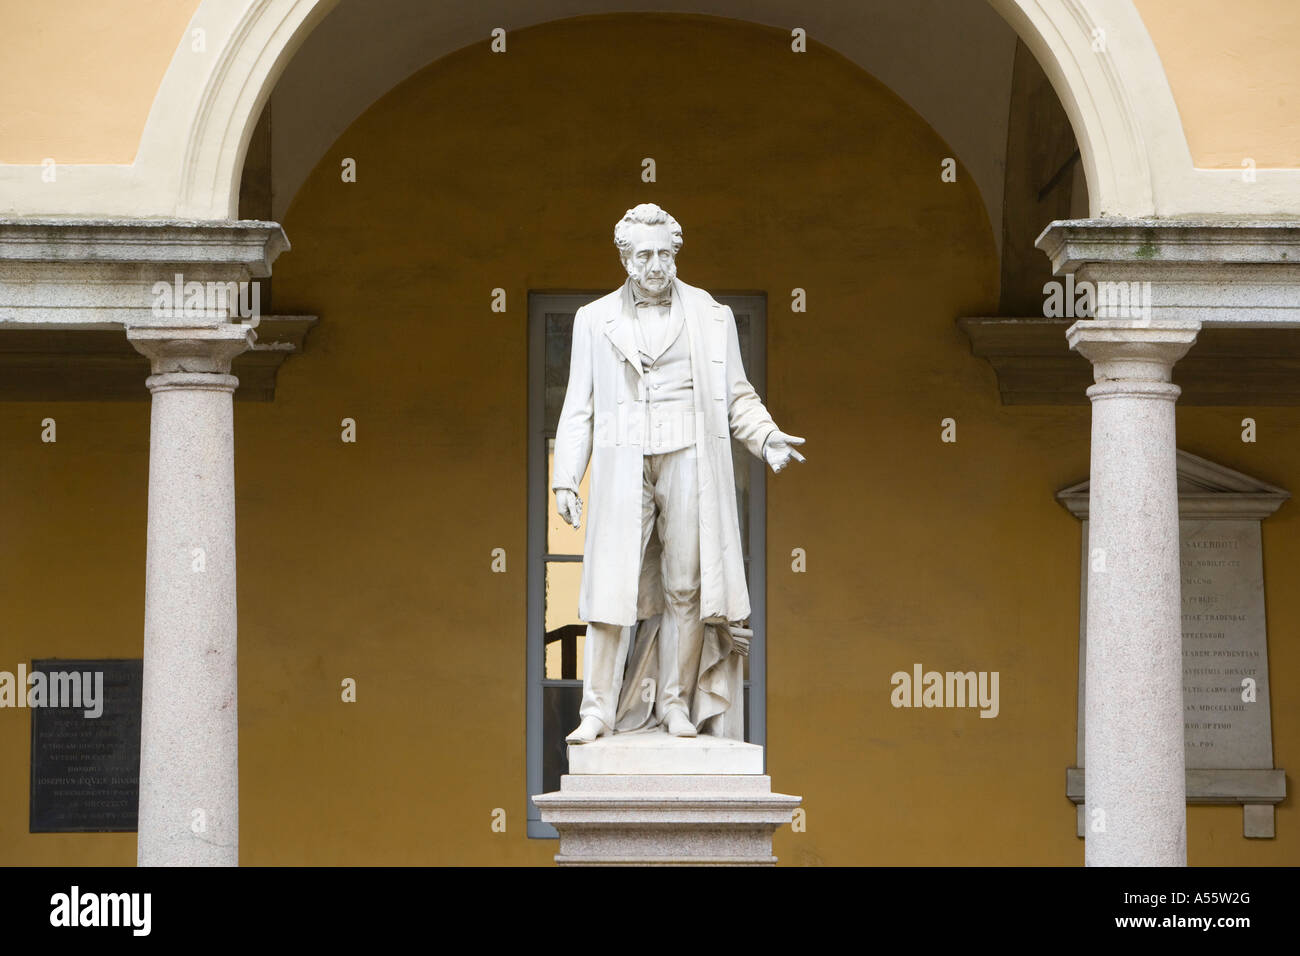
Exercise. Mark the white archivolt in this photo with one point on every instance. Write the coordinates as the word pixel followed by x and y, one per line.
pixel 1112 85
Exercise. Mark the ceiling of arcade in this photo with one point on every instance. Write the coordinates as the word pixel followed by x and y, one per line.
pixel 952 62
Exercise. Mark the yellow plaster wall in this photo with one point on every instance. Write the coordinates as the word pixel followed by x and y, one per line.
pixel 78 77
pixel 373 560
pixel 72 548
pixel 1235 76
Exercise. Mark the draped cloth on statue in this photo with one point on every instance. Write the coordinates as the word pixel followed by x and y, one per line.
pixel 719 702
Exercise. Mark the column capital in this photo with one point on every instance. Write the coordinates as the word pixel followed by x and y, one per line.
pixel 191 351
pixel 1132 350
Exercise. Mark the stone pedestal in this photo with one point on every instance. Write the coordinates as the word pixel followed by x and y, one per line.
pixel 650 799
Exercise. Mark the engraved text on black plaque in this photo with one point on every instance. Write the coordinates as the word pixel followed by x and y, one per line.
pixel 86 770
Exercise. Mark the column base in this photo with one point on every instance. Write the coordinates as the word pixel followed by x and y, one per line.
pixel 644 814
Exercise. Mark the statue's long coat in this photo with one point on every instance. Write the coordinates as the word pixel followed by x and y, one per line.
pixel 601 422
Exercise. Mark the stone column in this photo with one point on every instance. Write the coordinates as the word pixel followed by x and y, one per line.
pixel 1135 781
pixel 189 768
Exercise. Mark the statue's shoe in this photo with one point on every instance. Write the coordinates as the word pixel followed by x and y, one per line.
pixel 588 730
pixel 679 726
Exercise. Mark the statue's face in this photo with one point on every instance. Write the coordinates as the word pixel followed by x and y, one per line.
pixel 650 262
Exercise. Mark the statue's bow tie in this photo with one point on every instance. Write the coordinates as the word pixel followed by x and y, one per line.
pixel 664 299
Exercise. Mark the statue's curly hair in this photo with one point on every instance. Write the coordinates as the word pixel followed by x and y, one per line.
pixel 646 214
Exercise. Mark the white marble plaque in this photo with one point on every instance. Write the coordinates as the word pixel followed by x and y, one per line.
pixel 1226 721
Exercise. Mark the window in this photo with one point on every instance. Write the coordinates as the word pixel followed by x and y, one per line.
pixel 555 635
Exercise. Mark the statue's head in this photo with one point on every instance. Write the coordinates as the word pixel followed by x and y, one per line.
pixel 648 239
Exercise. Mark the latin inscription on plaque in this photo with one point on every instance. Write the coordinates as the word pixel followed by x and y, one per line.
pixel 1225 662
pixel 86 770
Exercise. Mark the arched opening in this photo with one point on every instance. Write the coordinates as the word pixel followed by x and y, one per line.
pixel 1064 39
pixel 486 171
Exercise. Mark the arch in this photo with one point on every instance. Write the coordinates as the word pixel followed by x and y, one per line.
pixel 262 41
pixel 1075 51
pixel 1117 96
pixel 1059 32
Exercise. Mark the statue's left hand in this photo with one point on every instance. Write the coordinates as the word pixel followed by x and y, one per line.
pixel 780 450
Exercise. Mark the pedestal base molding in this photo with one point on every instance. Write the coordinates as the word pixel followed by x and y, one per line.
pixel 632 817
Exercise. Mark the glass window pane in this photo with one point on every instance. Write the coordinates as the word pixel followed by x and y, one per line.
pixel 741 460
pixel 559 716
pixel 559 343
pixel 560 536
pixel 565 634
pixel 742 466
pixel 743 335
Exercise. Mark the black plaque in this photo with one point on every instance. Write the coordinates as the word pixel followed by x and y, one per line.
pixel 86 770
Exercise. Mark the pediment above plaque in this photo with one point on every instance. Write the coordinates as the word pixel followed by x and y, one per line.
pixel 1206 489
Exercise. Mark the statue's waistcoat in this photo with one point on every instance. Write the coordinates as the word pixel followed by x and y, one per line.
pixel 669 422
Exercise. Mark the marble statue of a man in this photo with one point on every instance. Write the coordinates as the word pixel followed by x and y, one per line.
pixel 656 390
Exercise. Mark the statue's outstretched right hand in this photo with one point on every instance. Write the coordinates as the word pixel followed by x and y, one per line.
pixel 569 506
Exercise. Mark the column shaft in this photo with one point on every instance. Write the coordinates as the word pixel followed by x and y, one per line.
pixel 1134 719
pixel 189 729
pixel 189 754
pixel 1134 779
